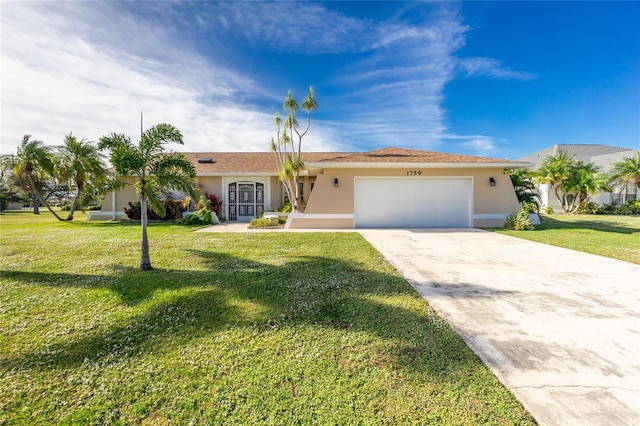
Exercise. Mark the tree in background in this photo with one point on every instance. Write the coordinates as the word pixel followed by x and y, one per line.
pixel 585 179
pixel 572 181
pixel 288 151
pixel 80 165
pixel 627 170
pixel 10 189
pixel 33 165
pixel 152 169
pixel 555 170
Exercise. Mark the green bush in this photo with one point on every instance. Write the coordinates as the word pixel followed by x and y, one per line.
pixel 530 207
pixel 548 210
pixel 199 217
pixel 173 211
pixel 261 222
pixel 519 221
pixel 630 208
pixel 588 208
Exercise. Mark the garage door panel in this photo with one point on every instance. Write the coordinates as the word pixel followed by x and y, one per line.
pixel 415 202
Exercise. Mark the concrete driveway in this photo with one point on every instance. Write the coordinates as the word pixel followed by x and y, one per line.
pixel 560 328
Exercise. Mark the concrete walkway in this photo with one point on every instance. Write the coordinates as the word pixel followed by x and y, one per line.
pixel 560 328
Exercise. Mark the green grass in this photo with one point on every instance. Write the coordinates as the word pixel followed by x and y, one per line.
pixel 617 237
pixel 261 328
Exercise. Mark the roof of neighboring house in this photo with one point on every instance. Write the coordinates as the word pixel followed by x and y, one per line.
pixel 605 161
pixel 581 152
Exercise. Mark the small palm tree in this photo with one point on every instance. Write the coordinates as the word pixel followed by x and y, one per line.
pixel 152 169
pixel 555 170
pixel 585 179
pixel 33 163
pixel 627 170
pixel 80 163
pixel 525 188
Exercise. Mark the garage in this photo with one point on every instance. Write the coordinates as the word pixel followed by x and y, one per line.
pixel 416 202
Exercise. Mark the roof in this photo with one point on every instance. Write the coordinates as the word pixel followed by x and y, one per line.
pixel 214 163
pixel 399 157
pixel 581 152
pixel 402 155
pixel 605 161
pixel 244 162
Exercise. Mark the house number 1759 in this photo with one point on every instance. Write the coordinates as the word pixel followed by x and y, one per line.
pixel 414 172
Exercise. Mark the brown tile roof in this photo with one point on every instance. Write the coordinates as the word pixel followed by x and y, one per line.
pixel 264 162
pixel 246 162
pixel 402 155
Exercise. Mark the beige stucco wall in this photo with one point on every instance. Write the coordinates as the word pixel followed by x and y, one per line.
pixel 491 202
pixel 210 185
pixel 123 197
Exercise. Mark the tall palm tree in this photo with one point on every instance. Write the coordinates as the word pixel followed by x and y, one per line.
pixel 80 164
pixel 627 170
pixel 152 170
pixel 293 164
pixel 555 170
pixel 33 164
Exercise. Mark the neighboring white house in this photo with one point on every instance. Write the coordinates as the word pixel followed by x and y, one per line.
pixel 604 156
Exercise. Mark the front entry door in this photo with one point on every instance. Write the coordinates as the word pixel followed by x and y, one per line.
pixel 246 200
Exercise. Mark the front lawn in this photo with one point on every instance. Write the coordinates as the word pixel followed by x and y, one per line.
pixel 617 237
pixel 261 328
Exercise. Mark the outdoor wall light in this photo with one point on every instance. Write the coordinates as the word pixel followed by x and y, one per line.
pixel 492 181
pixel 335 182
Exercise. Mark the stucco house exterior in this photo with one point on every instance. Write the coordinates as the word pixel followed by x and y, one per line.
pixel 385 188
pixel 604 156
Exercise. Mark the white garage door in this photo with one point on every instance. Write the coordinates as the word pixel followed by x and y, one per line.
pixel 412 202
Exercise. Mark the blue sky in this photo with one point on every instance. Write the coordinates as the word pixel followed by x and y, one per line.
pixel 497 79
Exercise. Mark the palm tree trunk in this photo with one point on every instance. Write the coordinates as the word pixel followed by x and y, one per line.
pixel 145 260
pixel 76 201
pixel 41 198
pixel 73 208
pixel 36 204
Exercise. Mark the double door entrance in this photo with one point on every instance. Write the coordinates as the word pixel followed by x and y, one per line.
pixel 246 201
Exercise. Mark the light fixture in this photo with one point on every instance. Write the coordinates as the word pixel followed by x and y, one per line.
pixel 492 181
pixel 335 182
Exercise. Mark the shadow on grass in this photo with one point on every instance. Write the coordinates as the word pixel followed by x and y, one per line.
pixel 548 222
pixel 307 291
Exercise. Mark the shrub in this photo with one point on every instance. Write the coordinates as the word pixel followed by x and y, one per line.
pixel 285 208
pixel 173 211
pixel 588 208
pixel 530 207
pixel 261 222
pixel 199 217
pixel 548 210
pixel 519 221
pixel 215 205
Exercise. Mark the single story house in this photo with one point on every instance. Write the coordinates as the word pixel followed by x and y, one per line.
pixel 603 156
pixel 386 188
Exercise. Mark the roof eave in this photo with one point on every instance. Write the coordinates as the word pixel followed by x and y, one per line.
pixel 378 165
pixel 237 174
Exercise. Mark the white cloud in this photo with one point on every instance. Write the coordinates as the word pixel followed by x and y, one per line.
pixel 489 67
pixel 57 79
pixel 481 145
pixel 91 67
